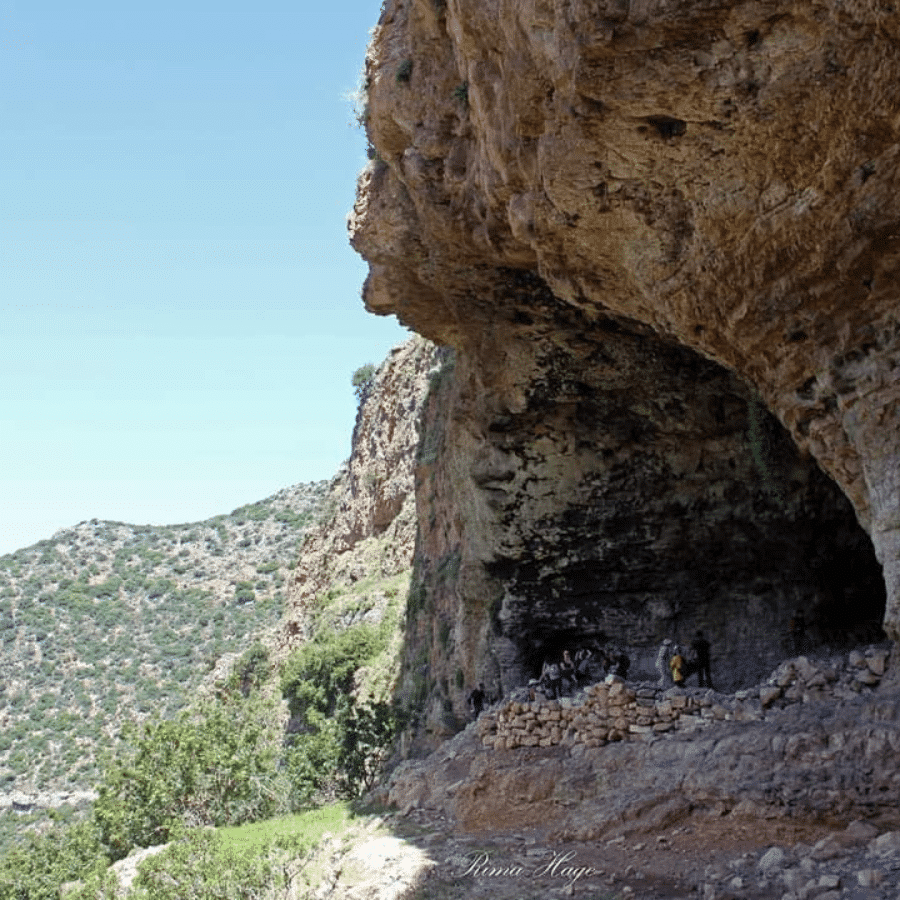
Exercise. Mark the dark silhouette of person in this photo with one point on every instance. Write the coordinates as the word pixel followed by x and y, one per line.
pixel 567 671
pixel 700 648
pixel 798 631
pixel 476 699
pixel 551 681
pixel 583 666
pixel 621 663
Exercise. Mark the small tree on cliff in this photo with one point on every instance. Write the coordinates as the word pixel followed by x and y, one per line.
pixel 362 381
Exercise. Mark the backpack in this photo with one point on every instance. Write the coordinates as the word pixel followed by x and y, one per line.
pixel 553 672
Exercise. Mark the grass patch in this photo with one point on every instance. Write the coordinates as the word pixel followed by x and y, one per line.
pixel 301 831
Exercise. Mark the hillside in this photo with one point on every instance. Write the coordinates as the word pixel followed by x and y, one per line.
pixel 106 622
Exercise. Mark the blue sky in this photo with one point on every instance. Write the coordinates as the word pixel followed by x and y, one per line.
pixel 179 306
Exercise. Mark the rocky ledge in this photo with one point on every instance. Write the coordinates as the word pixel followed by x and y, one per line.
pixel 817 742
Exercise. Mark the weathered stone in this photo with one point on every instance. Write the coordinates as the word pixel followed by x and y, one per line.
pixel 886 844
pixel 768 694
pixel 870 878
pixel 772 860
pixel 861 832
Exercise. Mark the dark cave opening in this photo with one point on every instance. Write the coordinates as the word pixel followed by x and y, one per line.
pixel 678 503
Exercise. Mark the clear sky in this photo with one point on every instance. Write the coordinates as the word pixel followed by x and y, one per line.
pixel 180 306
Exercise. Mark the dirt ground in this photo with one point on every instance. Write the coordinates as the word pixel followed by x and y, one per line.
pixel 701 851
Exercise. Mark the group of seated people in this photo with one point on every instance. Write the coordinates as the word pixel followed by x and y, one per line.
pixel 569 675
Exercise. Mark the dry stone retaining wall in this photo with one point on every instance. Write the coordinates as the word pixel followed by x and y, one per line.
pixel 614 710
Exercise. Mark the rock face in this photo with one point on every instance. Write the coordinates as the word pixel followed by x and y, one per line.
pixel 603 207
pixel 370 528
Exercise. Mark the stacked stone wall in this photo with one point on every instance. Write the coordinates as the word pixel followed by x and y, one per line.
pixel 615 710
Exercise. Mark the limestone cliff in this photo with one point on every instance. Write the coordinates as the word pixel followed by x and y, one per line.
pixel 369 532
pixel 637 223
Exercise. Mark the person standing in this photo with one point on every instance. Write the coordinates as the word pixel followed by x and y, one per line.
pixel 700 648
pixel 662 661
pixel 676 664
pixel 476 699
pixel 797 628
pixel 567 671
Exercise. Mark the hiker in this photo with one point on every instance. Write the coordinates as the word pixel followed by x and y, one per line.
pixel 662 658
pixel 476 699
pixel 603 660
pixel 567 671
pixel 700 650
pixel 676 665
pixel 583 666
pixel 551 681
pixel 621 664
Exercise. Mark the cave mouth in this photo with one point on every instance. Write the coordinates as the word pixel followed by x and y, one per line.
pixel 824 568
pixel 677 503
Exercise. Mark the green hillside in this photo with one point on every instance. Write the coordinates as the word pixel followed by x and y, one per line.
pixel 106 622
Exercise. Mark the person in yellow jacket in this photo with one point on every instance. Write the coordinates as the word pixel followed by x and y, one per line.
pixel 676 666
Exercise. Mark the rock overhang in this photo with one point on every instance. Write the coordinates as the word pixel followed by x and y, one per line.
pixel 723 174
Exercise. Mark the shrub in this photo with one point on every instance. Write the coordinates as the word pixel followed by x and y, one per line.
pixel 201 865
pixel 368 732
pixel 338 733
pixel 256 860
pixel 362 381
pixel 322 670
pixel 251 669
pixel 243 592
pixel 215 765
pixel 36 870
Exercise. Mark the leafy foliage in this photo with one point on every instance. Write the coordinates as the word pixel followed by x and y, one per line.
pixel 201 865
pixel 214 765
pixel 251 861
pixel 321 671
pixel 36 870
pixel 362 381
pixel 368 732
pixel 337 731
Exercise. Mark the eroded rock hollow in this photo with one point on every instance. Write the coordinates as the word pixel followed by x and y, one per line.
pixel 638 224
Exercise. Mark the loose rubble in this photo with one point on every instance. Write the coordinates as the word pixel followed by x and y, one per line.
pixel 858 863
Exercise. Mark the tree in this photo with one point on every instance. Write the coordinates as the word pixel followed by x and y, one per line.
pixel 362 381
pixel 217 764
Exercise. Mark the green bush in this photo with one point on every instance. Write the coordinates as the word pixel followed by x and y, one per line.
pixel 322 670
pixel 250 670
pixel 202 865
pixel 362 381
pixel 243 592
pixel 367 733
pixel 339 733
pixel 214 765
pixel 36 870
pixel 261 859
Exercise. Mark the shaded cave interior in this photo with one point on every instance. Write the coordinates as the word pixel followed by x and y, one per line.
pixel 653 495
